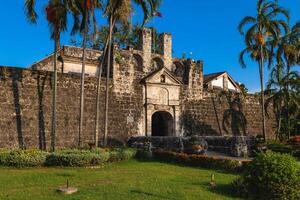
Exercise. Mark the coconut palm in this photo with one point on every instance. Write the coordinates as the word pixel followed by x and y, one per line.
pixel 275 92
pixel 56 12
pixel 288 55
pixel 283 99
pixel 82 20
pixel 288 52
pixel 119 11
pixel 262 35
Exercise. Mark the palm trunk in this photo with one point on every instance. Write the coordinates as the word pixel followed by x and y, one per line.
pixel 99 91
pixel 287 104
pixel 107 82
pixel 54 95
pixel 279 123
pixel 98 94
pixel 83 76
pixel 261 73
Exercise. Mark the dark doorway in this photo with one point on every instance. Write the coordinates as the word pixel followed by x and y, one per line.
pixel 162 124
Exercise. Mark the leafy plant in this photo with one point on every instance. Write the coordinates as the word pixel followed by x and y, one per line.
pixel 23 158
pixel 271 176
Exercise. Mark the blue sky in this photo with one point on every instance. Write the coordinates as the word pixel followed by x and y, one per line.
pixel 207 28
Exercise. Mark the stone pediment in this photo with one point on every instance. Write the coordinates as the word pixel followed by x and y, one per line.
pixel 162 76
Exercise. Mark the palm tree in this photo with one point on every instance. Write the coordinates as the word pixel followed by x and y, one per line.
pixel 119 11
pixel 283 98
pixel 261 37
pixel 288 54
pixel 87 13
pixel 275 94
pixel 56 12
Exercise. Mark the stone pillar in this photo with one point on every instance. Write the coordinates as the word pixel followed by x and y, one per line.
pixel 177 129
pixel 146 47
pixel 150 109
pixel 195 80
pixel 166 49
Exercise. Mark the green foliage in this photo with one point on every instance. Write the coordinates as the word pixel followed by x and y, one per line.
pixel 77 158
pixel 271 176
pixel 67 158
pixel 120 154
pixel 284 97
pixel 200 161
pixel 23 158
pixel 280 147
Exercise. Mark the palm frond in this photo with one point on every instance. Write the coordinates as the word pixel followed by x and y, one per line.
pixel 30 11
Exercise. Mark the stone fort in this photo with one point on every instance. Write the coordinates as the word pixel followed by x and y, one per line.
pixel 151 94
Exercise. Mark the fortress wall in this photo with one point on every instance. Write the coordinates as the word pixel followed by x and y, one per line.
pixel 220 114
pixel 25 110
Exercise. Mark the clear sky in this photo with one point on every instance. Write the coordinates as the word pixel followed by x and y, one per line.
pixel 207 28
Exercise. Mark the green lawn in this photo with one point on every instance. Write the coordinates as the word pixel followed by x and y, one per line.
pixel 125 180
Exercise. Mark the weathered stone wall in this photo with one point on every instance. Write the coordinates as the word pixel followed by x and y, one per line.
pixel 222 113
pixel 25 110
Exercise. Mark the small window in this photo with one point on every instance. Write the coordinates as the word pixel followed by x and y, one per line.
pixel 162 78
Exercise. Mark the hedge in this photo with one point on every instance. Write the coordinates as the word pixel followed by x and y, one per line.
pixel 199 160
pixel 67 158
pixel 76 158
pixel 22 158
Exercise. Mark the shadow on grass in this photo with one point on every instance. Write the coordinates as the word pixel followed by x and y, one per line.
pixel 150 194
pixel 223 171
pixel 220 189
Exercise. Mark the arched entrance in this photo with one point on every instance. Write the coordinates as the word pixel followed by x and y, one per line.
pixel 162 124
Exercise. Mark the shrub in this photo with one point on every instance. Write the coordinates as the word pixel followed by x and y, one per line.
pixel 284 148
pixel 121 154
pixel 77 158
pixel 23 158
pixel 272 176
pixel 200 161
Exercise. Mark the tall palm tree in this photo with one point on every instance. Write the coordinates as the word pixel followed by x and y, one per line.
pixel 275 92
pixel 119 11
pixel 56 12
pixel 288 55
pixel 87 13
pixel 261 37
pixel 283 97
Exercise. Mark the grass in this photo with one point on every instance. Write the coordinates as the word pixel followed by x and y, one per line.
pixel 125 180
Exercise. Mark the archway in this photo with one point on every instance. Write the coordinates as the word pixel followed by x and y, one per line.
pixel 162 124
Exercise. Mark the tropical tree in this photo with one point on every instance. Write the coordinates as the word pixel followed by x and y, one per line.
pixel 81 24
pixel 118 11
pixel 284 98
pixel 56 13
pixel 121 36
pixel 288 56
pixel 275 92
pixel 261 37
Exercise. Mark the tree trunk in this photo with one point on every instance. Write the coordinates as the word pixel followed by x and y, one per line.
pixel 107 82
pixel 54 94
pixel 288 103
pixel 261 73
pixel 98 93
pixel 279 125
pixel 83 75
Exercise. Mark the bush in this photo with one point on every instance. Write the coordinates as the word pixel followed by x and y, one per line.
pixel 23 158
pixel 200 161
pixel 121 154
pixel 284 148
pixel 67 158
pixel 272 176
pixel 77 158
